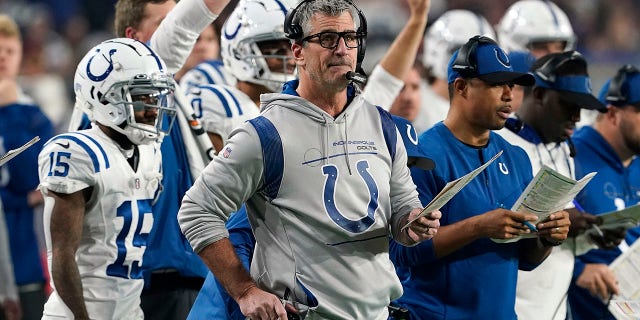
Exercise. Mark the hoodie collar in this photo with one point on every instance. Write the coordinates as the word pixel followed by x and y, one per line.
pixel 290 87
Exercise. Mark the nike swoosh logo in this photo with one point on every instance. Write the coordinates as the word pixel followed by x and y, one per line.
pixel 66 146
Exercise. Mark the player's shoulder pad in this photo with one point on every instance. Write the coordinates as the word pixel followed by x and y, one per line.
pixel 79 147
pixel 223 99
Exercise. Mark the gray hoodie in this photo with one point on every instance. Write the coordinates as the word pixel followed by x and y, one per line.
pixel 323 195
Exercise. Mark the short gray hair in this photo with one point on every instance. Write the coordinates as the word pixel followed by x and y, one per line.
pixel 331 8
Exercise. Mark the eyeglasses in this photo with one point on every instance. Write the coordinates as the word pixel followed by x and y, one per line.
pixel 330 39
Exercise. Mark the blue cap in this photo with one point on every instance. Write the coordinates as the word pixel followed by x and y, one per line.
pixel 410 139
pixel 482 58
pixel 623 89
pixel 574 87
pixel 521 61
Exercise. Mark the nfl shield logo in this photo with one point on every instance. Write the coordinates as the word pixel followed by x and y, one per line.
pixel 227 152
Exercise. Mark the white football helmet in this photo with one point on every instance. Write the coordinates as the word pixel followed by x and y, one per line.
pixel 252 22
pixel 447 34
pixel 529 21
pixel 120 76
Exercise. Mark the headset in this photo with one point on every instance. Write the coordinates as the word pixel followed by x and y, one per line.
pixel 547 71
pixel 614 94
pixel 465 63
pixel 293 30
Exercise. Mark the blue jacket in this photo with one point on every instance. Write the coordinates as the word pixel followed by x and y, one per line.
pixel 479 280
pixel 20 123
pixel 167 248
pixel 213 302
pixel 613 188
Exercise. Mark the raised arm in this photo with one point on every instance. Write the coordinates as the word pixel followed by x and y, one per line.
pixel 387 79
pixel 401 55
pixel 178 32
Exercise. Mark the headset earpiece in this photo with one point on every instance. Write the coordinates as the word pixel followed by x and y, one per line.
pixel 465 63
pixel 293 30
pixel 614 94
pixel 546 72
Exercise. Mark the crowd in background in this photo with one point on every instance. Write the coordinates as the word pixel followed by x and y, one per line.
pixel 57 33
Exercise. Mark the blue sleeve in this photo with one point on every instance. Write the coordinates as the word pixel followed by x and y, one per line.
pixel 422 253
pixel 578 268
pixel 241 236
pixel 243 242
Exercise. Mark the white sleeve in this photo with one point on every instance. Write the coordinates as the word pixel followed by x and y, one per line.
pixel 178 32
pixel 65 166
pixel 8 287
pixel 224 185
pixel 382 88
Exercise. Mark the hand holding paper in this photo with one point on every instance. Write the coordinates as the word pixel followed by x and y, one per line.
pixel 451 189
pixel 548 192
pixel 424 227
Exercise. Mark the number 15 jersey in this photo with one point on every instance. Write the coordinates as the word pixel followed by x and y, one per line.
pixel 117 218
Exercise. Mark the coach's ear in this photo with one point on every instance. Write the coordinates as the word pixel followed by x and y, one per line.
pixel 298 55
pixel 460 87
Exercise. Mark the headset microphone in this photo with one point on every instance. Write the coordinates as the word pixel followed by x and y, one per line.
pixel 572 148
pixel 355 77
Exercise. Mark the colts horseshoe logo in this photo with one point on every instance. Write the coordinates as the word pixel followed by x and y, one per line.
pixel 354 226
pixel 106 72
pixel 503 168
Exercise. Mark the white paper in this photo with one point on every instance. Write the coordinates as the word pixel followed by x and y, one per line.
pixel 627 218
pixel 451 189
pixel 548 192
pixel 14 152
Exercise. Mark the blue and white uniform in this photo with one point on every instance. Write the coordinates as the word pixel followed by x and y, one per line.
pixel 479 280
pixel 116 223
pixel 312 183
pixel 221 108
pixel 207 72
pixel 615 187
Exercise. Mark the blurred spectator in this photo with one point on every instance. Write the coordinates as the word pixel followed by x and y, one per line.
pixel 19 178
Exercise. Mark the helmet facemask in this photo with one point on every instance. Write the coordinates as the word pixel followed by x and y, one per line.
pixel 256 53
pixel 141 93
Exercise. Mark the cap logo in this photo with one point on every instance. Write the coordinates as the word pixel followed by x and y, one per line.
pixel 502 58
pixel 412 135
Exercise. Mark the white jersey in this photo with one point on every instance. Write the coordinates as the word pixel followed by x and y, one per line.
pixel 541 293
pixel 116 223
pixel 221 108
pixel 434 109
pixel 207 72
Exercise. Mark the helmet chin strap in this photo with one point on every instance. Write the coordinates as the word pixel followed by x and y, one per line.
pixel 135 135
